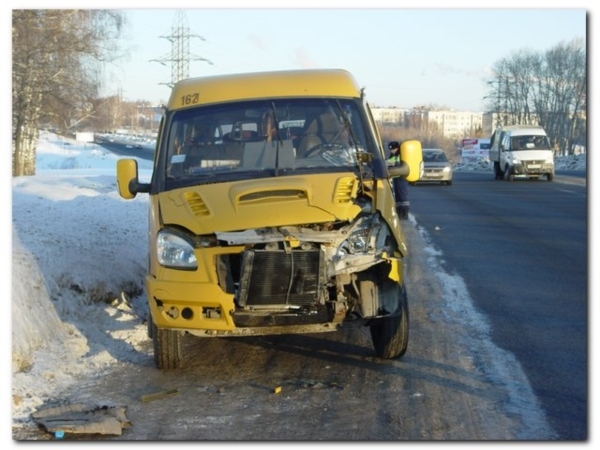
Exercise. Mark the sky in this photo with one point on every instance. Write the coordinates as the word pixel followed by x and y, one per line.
pixel 421 54
pixel 404 57
pixel 73 235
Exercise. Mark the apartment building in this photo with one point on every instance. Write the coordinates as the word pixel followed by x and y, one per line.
pixel 453 124
pixel 389 115
pixel 456 124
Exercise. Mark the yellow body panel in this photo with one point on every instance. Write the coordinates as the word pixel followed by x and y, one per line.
pixel 412 153
pixel 296 83
pixel 387 205
pixel 196 297
pixel 261 202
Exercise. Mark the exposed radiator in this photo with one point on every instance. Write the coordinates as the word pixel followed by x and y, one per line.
pixel 280 278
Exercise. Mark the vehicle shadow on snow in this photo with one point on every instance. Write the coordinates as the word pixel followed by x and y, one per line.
pixel 290 357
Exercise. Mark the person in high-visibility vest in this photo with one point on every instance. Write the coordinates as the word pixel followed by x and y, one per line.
pixel 399 184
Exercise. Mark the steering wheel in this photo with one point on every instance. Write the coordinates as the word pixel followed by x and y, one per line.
pixel 319 149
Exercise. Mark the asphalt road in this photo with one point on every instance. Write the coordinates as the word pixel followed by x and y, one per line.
pixel 127 149
pixel 522 249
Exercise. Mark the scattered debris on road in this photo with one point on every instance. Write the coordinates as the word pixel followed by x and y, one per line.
pixel 159 395
pixel 82 419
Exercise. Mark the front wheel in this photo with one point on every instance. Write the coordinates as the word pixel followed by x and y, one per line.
pixel 167 347
pixel 390 334
pixel 497 172
pixel 550 176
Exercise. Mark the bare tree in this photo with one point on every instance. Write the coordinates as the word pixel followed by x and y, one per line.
pixel 566 66
pixel 55 71
pixel 547 89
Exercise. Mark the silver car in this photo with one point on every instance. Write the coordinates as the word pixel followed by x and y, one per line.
pixel 436 167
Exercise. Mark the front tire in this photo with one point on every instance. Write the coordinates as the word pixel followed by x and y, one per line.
pixel 390 334
pixel 167 347
pixel 550 176
pixel 497 172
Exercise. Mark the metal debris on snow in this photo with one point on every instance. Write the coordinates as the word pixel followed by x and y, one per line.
pixel 79 418
pixel 159 395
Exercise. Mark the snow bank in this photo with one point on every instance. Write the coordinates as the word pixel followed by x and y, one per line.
pixel 76 248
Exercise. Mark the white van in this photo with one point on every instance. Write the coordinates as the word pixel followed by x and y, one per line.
pixel 521 150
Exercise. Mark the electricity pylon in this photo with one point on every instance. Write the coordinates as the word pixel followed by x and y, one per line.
pixel 180 55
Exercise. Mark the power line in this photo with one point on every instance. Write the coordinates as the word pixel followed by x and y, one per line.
pixel 180 55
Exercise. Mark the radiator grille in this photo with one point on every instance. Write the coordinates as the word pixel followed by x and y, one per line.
pixel 266 278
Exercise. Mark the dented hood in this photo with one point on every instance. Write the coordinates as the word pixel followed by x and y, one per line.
pixel 276 201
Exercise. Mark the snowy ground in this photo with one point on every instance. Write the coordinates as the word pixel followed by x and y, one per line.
pixel 575 162
pixel 75 249
pixel 76 255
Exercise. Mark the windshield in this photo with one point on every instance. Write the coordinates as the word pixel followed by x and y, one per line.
pixel 434 156
pixel 264 138
pixel 529 143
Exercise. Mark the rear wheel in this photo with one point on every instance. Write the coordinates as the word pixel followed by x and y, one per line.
pixel 390 334
pixel 167 347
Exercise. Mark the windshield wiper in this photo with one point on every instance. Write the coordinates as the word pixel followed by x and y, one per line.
pixel 352 135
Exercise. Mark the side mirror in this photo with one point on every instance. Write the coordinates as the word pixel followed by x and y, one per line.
pixel 411 162
pixel 128 184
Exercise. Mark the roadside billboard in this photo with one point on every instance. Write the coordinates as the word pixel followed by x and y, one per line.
pixel 475 149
